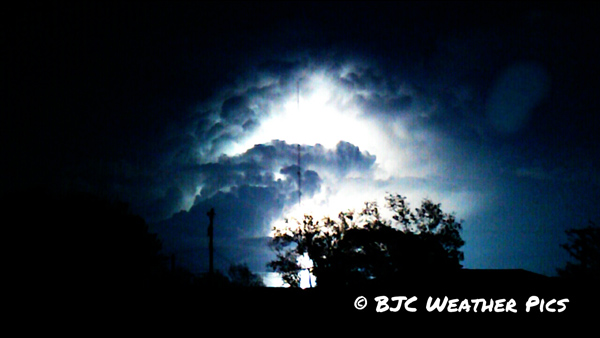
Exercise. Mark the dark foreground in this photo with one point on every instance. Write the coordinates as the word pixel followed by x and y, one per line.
pixel 472 295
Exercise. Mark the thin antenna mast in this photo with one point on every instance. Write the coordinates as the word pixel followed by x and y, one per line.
pixel 300 168
pixel 299 148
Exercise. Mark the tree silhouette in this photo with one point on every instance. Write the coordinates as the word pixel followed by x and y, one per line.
pixel 238 276
pixel 366 248
pixel 241 276
pixel 79 240
pixel 584 247
pixel 111 242
pixel 287 265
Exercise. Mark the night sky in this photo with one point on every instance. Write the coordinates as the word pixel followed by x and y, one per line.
pixel 174 108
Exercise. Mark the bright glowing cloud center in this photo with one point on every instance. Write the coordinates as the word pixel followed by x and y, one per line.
pixel 310 118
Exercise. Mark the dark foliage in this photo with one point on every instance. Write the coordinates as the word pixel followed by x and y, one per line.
pixel 81 241
pixel 238 276
pixel 366 248
pixel 241 276
pixel 82 244
pixel 584 247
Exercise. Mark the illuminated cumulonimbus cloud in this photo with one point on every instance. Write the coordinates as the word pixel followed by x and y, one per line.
pixel 361 135
pixel 346 110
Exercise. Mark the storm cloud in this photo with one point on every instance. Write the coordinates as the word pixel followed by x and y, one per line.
pixel 251 190
pixel 489 109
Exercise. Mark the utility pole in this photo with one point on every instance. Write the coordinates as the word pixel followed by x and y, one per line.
pixel 211 216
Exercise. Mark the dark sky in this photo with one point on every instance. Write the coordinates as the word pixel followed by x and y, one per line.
pixel 489 109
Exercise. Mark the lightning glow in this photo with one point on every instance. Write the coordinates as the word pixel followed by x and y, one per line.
pixel 314 118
